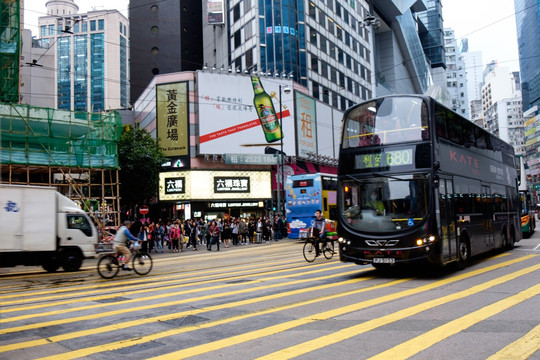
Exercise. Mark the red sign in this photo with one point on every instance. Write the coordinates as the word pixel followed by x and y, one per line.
pixel 143 210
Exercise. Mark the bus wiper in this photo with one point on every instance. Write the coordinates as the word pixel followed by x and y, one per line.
pixel 388 176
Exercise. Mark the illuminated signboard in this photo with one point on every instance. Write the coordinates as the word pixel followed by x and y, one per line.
pixel 231 184
pixel 175 185
pixel 384 159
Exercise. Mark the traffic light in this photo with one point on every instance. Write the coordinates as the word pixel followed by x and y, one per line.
pixel 268 204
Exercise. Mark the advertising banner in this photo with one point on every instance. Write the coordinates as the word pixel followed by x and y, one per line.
pixel 215 10
pixel 306 125
pixel 240 114
pixel 172 118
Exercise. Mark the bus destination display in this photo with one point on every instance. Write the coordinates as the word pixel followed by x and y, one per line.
pixel 384 159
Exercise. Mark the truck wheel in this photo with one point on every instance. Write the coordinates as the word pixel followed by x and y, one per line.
pixel 72 261
pixel 51 265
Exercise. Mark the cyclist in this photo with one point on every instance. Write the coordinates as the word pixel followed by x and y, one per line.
pixel 120 243
pixel 319 227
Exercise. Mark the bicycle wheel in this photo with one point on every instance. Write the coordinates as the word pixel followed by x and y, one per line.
pixel 142 263
pixel 310 253
pixel 328 250
pixel 108 267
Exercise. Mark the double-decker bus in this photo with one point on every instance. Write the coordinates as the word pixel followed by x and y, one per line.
pixel 306 193
pixel 527 204
pixel 416 181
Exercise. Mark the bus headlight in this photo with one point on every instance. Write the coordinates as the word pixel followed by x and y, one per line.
pixel 427 240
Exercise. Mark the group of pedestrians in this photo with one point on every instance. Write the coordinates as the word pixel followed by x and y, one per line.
pixel 177 236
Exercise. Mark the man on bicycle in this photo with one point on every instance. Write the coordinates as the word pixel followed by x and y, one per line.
pixel 319 227
pixel 120 243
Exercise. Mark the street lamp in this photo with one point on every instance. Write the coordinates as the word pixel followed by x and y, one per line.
pixel 281 179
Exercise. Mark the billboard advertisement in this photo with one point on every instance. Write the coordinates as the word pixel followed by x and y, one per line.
pixel 215 10
pixel 172 119
pixel 240 114
pixel 306 125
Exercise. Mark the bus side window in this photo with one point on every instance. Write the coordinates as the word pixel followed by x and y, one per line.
pixel 453 125
pixel 440 122
pixel 480 136
pixel 467 132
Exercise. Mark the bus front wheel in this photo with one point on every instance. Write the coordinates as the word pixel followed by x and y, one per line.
pixel 464 253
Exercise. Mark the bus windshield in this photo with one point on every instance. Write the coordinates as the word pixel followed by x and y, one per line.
pixel 386 121
pixel 384 203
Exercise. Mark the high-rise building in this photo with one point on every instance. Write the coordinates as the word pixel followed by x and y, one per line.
pixel 432 35
pixel 92 56
pixel 166 37
pixel 456 78
pixel 325 46
pixel 528 32
pixel 501 105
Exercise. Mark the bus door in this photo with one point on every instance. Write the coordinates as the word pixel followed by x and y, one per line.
pixel 446 220
pixel 487 222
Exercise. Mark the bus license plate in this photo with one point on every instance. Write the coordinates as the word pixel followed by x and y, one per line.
pixel 384 260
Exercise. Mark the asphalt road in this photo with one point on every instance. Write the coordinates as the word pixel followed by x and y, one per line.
pixel 263 301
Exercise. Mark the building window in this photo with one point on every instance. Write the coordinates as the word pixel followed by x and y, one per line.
pixel 92 25
pixel 237 39
pixel 101 24
pixel 51 29
pixel 43 30
pixel 236 12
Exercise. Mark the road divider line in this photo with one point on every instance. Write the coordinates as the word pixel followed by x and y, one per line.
pixel 432 337
pixel 352 331
pixel 150 306
pixel 183 277
pixel 168 317
pixel 113 284
pixel 208 347
pixel 522 348
pixel 134 292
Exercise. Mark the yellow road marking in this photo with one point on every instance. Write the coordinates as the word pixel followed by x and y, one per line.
pixel 151 306
pixel 219 344
pixel 352 331
pixel 115 284
pixel 427 339
pixel 522 348
pixel 128 290
pixel 133 292
pixel 167 317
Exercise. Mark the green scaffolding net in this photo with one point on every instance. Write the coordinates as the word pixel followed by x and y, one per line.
pixel 42 136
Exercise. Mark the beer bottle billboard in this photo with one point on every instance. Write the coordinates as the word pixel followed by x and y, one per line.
pixel 266 112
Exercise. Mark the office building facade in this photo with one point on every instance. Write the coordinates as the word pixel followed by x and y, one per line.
pixel 92 56
pixel 166 37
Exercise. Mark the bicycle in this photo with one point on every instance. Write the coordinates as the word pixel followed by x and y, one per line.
pixel 312 248
pixel 109 265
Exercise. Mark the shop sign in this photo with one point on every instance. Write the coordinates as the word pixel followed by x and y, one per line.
pixel 250 159
pixel 236 204
pixel 231 184
pixel 175 185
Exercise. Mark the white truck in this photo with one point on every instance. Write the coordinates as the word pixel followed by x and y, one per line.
pixel 39 226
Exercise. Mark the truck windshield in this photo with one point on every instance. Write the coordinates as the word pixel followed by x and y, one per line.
pixel 386 121
pixel 382 204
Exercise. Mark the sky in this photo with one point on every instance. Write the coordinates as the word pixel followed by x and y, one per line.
pixel 489 25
